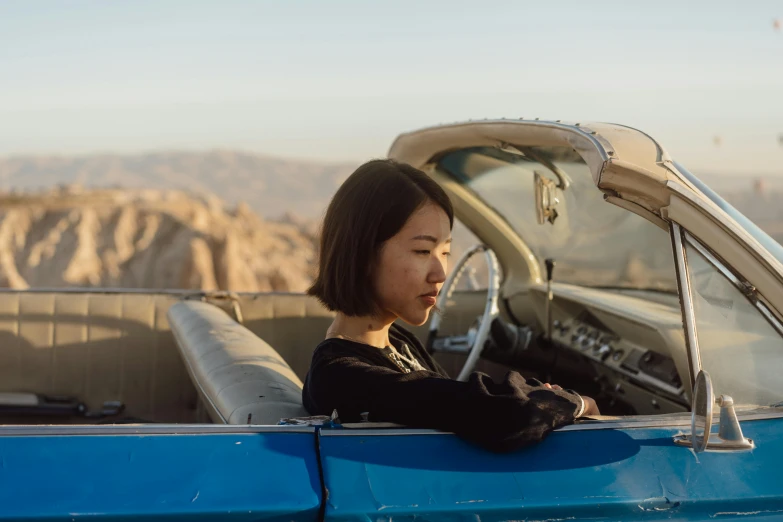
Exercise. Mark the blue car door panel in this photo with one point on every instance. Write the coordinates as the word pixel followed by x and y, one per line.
pixel 204 476
pixel 621 474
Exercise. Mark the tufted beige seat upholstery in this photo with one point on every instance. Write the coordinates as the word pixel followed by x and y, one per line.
pixel 236 373
pixel 96 345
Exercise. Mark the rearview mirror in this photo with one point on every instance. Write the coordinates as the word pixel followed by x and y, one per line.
pixel 546 199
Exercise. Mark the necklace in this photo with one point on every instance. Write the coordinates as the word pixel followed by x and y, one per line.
pixel 396 357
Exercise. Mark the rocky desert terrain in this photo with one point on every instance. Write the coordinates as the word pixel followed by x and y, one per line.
pixel 70 237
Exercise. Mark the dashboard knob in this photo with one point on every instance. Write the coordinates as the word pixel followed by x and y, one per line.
pixel 603 351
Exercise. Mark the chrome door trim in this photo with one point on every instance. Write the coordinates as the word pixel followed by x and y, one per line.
pixel 676 420
pixel 651 421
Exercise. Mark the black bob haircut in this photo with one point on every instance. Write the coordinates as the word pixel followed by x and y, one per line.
pixel 371 206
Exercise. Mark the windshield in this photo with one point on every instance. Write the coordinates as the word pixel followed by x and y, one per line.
pixel 772 246
pixel 594 243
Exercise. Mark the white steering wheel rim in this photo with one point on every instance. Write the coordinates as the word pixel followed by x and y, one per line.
pixel 491 310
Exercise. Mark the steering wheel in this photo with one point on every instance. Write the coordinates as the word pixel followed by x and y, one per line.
pixel 473 342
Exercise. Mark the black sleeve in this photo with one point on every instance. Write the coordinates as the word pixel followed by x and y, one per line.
pixel 498 416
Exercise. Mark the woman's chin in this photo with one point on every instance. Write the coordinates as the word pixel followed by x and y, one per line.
pixel 416 319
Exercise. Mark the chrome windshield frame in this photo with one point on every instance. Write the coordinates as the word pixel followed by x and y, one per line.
pixel 729 224
pixel 686 300
pixel 767 243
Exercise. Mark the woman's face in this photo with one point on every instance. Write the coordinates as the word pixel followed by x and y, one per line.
pixel 412 266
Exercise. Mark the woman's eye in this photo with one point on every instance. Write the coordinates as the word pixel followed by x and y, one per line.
pixel 428 252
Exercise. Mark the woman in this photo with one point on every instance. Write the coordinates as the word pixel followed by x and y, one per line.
pixel 384 247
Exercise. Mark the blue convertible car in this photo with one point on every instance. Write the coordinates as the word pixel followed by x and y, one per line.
pixel 652 294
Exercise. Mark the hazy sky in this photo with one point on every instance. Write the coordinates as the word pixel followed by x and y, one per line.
pixel 339 80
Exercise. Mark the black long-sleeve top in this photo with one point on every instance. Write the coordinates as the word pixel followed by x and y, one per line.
pixel 354 378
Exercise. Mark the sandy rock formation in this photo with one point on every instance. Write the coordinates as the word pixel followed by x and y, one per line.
pixel 148 239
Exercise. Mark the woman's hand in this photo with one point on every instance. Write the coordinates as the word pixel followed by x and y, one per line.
pixel 591 408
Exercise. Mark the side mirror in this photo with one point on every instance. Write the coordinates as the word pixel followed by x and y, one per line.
pixel 729 436
pixel 701 417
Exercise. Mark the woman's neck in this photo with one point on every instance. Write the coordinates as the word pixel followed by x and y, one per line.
pixel 366 329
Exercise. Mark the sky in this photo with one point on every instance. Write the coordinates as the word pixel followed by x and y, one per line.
pixel 338 80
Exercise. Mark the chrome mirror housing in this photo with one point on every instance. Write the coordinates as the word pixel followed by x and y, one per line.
pixel 729 436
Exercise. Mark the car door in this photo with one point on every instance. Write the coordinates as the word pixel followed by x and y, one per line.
pixel 620 470
pixel 157 472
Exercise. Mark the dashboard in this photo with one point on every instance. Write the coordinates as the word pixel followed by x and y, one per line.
pixel 624 363
pixel 634 344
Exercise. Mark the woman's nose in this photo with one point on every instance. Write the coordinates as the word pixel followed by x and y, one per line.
pixel 437 272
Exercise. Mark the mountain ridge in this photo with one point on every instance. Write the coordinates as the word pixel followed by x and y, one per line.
pixel 271 186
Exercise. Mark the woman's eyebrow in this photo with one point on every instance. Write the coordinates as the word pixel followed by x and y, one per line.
pixel 430 238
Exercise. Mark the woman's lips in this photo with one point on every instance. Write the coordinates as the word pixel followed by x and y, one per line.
pixel 429 299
